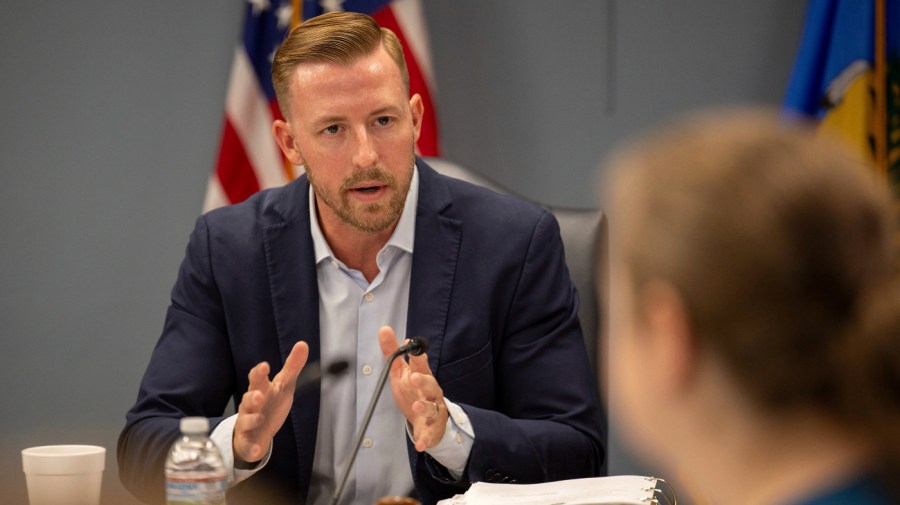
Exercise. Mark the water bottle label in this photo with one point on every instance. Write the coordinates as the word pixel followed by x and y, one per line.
pixel 195 492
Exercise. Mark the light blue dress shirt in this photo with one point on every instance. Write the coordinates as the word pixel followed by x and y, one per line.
pixel 351 311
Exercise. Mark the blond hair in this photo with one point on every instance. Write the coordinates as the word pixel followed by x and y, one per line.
pixel 336 37
pixel 782 246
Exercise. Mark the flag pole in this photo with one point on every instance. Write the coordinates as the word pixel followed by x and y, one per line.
pixel 290 171
pixel 879 120
pixel 297 16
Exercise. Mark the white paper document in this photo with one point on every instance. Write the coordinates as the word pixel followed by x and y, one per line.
pixel 615 490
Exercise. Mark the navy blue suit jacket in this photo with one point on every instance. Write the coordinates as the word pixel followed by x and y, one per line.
pixel 489 289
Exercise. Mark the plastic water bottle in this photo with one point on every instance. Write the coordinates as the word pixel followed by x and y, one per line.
pixel 195 474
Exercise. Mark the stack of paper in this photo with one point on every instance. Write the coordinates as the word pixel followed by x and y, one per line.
pixel 616 490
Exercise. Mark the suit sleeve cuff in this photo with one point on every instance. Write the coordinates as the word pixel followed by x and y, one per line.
pixel 222 436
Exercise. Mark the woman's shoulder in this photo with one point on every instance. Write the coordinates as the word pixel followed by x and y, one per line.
pixel 862 490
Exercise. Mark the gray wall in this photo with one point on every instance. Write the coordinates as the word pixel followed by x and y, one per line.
pixel 110 118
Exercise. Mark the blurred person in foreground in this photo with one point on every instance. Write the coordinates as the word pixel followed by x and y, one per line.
pixel 757 316
pixel 367 248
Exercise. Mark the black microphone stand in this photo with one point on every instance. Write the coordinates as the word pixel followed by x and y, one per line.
pixel 416 346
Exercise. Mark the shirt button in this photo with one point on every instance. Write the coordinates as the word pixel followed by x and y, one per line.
pixel 334 264
pixel 367 443
pixel 369 297
pixel 459 438
pixel 366 370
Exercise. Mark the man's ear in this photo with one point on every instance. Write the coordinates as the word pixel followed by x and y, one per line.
pixel 672 350
pixel 417 108
pixel 284 137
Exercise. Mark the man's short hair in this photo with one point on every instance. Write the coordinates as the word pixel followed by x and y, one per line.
pixel 336 37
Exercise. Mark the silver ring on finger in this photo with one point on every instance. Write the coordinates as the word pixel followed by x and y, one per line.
pixel 436 411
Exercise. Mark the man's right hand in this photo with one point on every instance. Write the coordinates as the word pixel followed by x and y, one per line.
pixel 266 405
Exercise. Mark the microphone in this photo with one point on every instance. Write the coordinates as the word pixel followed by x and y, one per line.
pixel 313 374
pixel 416 346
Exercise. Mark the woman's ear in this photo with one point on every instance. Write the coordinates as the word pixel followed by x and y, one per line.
pixel 671 350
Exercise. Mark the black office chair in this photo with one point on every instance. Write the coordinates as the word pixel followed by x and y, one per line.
pixel 584 237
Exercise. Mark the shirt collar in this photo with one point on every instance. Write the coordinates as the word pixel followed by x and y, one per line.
pixel 402 238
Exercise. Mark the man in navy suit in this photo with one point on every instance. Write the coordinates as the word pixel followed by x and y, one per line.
pixel 369 247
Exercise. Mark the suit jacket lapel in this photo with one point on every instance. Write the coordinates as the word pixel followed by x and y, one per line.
pixel 290 260
pixel 434 263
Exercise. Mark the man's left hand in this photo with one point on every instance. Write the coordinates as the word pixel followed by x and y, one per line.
pixel 416 392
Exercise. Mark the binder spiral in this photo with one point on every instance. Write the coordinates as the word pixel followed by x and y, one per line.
pixel 656 489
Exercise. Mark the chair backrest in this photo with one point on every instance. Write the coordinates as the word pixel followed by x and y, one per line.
pixel 584 236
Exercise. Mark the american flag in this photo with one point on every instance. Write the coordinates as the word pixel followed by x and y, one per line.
pixel 249 158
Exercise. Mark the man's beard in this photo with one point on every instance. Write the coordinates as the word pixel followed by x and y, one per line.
pixel 369 217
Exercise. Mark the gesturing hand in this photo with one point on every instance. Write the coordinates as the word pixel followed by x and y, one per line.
pixel 266 405
pixel 416 392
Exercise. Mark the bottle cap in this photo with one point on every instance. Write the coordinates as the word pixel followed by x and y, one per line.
pixel 194 425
